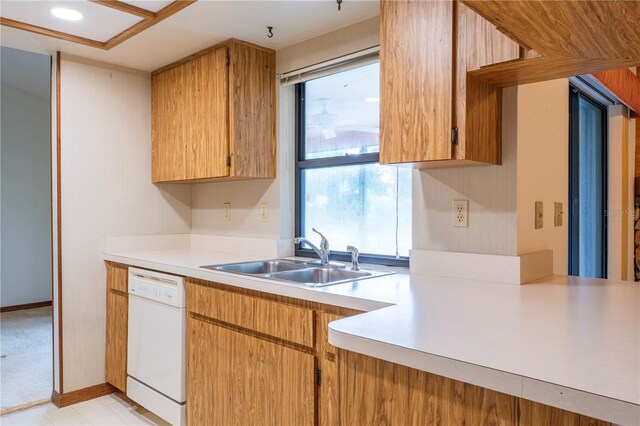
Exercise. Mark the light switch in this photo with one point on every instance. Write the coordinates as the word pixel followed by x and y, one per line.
pixel 539 215
pixel 557 214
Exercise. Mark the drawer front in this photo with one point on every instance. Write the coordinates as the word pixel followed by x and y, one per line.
pixel 117 277
pixel 277 319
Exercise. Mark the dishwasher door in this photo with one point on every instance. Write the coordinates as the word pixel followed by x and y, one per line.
pixel 157 333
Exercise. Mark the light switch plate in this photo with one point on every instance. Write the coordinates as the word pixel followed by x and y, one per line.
pixel 227 212
pixel 539 215
pixel 461 213
pixel 557 214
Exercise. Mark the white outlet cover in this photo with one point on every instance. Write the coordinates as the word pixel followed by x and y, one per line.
pixel 460 213
pixel 264 213
pixel 227 212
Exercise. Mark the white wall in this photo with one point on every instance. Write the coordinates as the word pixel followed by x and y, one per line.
pixel 543 167
pixel 26 197
pixel 106 191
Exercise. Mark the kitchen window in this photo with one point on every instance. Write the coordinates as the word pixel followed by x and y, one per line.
pixel 341 189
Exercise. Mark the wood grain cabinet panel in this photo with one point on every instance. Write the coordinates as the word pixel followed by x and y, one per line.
pixel 117 277
pixel 327 361
pixel 116 327
pixel 373 391
pixel 237 379
pixel 430 114
pixel 416 70
pixel 213 115
pixel 283 321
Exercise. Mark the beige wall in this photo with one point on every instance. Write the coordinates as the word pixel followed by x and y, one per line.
pixel 106 190
pixel 491 192
pixel 543 167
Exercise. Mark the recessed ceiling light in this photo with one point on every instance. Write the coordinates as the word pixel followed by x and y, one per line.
pixel 66 14
pixel 372 100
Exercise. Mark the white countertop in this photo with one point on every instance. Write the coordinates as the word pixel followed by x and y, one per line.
pixel 568 342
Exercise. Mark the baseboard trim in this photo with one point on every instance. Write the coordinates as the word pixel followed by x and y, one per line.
pixel 25 306
pixel 80 395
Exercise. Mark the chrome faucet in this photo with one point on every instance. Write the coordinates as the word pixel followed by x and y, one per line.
pixel 323 252
pixel 355 254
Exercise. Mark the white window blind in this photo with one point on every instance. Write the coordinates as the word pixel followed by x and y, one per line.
pixel 332 66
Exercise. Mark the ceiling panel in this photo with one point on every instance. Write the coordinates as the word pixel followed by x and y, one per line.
pixel 100 23
pixel 205 23
pixel 152 5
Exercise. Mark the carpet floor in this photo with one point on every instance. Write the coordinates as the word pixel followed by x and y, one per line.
pixel 26 365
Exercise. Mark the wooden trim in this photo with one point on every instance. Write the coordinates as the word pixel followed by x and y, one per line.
pixel 65 399
pixel 51 33
pixel 149 20
pixel 161 15
pixel 52 144
pixel 624 241
pixel 126 7
pixel 624 84
pixel 59 217
pixel 25 306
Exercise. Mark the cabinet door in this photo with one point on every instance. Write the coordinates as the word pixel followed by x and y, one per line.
pixel 416 71
pixel 207 115
pixel 116 345
pixel 328 389
pixel 168 125
pixel 237 379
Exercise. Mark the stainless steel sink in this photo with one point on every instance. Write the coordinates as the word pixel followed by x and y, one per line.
pixel 259 268
pixel 299 272
pixel 320 276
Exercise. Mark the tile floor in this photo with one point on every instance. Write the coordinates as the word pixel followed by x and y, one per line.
pixel 110 410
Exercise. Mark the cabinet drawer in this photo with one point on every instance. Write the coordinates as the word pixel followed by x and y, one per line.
pixel 284 321
pixel 117 277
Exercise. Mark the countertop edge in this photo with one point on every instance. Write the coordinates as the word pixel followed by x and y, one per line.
pixel 593 405
pixel 254 283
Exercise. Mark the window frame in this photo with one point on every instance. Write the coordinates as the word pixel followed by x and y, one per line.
pixel 302 164
pixel 575 94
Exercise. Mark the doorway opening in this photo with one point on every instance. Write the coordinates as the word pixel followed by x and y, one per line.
pixel 588 182
pixel 26 346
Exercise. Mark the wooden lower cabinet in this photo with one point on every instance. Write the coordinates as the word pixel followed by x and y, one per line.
pixel 234 378
pixel 373 391
pixel 115 371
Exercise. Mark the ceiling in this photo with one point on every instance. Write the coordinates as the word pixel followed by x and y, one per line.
pixel 196 27
pixel 25 71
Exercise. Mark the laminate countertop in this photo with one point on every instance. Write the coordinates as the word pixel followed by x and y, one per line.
pixel 568 342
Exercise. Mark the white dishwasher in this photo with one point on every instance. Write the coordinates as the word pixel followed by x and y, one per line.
pixel 156 358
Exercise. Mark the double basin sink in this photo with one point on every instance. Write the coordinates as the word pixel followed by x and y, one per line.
pixel 295 271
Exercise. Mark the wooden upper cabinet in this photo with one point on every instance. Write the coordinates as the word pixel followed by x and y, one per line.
pixel 416 70
pixel 426 49
pixel 213 115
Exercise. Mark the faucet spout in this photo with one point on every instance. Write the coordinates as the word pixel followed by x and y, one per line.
pixel 323 251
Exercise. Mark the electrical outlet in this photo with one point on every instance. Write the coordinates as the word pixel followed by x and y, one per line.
pixel 557 214
pixel 227 212
pixel 264 213
pixel 539 215
pixel 461 213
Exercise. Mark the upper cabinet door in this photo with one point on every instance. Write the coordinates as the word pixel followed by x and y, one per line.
pixel 416 73
pixel 168 125
pixel 207 145
pixel 252 116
